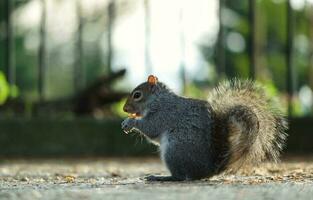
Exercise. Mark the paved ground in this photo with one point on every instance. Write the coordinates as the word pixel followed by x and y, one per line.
pixel 113 178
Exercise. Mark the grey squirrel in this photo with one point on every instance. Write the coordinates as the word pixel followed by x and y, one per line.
pixel 238 125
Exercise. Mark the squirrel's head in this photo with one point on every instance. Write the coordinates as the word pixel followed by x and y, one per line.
pixel 139 99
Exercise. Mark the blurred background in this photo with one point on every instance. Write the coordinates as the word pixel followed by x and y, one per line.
pixel 67 66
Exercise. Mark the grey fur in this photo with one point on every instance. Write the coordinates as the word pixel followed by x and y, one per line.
pixel 198 139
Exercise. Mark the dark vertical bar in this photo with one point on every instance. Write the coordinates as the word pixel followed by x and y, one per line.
pixel 310 74
pixel 42 52
pixel 252 39
pixel 111 15
pixel 79 78
pixel 9 42
pixel 183 51
pixel 148 64
pixel 289 65
pixel 220 43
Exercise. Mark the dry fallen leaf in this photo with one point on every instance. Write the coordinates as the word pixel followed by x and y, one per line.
pixel 69 179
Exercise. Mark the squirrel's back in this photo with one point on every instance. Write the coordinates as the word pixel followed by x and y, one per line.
pixel 254 127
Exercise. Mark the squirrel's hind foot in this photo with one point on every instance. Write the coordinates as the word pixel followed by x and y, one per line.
pixel 152 178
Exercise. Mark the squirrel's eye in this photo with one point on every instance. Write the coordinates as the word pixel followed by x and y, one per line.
pixel 137 95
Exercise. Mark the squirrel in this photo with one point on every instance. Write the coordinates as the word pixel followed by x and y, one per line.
pixel 238 125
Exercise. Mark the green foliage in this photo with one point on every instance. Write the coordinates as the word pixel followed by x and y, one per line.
pixel 117 109
pixel 270 43
pixel 193 90
pixel 7 90
pixel 4 89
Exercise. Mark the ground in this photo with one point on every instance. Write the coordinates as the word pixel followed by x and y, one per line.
pixel 122 178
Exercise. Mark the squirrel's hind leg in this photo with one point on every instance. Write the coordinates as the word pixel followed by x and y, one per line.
pixel 153 178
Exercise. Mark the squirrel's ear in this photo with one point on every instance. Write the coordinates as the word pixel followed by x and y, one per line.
pixel 152 80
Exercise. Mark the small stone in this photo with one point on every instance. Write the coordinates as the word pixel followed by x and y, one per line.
pixel 115 174
pixel 24 179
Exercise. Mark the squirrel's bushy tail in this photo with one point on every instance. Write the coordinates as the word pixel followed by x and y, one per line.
pixel 255 128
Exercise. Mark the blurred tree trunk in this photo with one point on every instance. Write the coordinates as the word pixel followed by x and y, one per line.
pixel 42 53
pixel 9 42
pixel 148 63
pixel 220 47
pixel 79 72
pixel 310 13
pixel 111 16
pixel 252 38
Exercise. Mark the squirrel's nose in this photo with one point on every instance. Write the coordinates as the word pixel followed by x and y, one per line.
pixel 126 108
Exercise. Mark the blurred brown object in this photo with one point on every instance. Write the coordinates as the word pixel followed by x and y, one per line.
pixel 94 100
pixel 91 100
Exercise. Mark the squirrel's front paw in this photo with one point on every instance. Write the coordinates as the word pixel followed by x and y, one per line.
pixel 128 124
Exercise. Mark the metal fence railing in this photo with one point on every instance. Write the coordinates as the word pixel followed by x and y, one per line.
pixel 79 66
pixel 9 43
